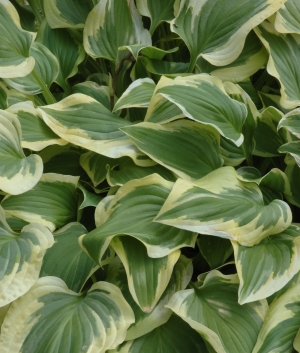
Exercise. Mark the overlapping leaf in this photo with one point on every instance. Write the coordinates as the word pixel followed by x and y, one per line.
pixel 131 211
pixel 219 204
pixel 288 17
pixel 52 318
pixel 213 311
pixel 217 29
pixel 21 258
pixel 18 173
pixel 52 202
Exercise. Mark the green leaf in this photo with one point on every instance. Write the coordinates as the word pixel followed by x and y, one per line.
pixel 66 260
pixel 18 173
pixel 27 17
pixel 157 12
pixel 131 211
pixel 291 122
pixel 147 277
pixel 68 13
pixel 267 126
pixel 128 170
pixel 67 52
pixel 189 149
pixel 215 250
pixel 252 58
pixel 221 205
pixel 36 135
pixel 203 98
pixel 83 121
pixel 288 17
pixel 146 322
pixel 89 198
pixel 166 68
pixel 231 154
pixel 52 318
pixel 216 29
pixel 46 66
pixel 138 94
pixel 283 62
pixel 52 202
pixel 15 43
pixel 21 258
pixel 174 336
pixel 111 25
pixel 268 266
pixel 292 171
pixel 281 324
pixel 293 148
pixel 213 311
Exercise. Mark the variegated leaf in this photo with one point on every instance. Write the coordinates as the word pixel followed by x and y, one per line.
pixel 288 17
pixel 138 94
pixel 217 29
pixel 52 318
pixel 46 66
pixel 213 311
pixel 83 121
pixel 52 202
pixel 68 13
pixel 281 324
pixel 189 149
pixel 21 257
pixel 36 135
pixel 291 122
pixel 18 173
pixel 221 205
pixel 15 43
pixel 131 211
pixel 147 277
pixel 66 260
pixel 268 266
pixel 203 98
pixel 111 25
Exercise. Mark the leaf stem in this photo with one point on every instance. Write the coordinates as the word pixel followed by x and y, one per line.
pixel 35 10
pixel 46 92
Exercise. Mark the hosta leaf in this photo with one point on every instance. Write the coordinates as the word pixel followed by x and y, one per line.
pixel 251 59
pixel 288 17
pixel 158 12
pixel 46 66
pixel 3 97
pixel 92 89
pixel 283 62
pixel 174 336
pixel 291 121
pixel 166 68
pixel 189 149
pixel 67 52
pixel 67 14
pixel 293 148
pixel 21 258
pixel 138 94
pixel 268 266
pixel 128 170
pixel 18 173
pixel 281 324
pixel 36 135
pixel 66 260
pixel 267 126
pixel 131 212
pixel 146 322
pixel 27 17
pixel 15 43
pixel 203 98
pixel 215 250
pixel 213 311
pixel 219 204
pixel 88 198
pixel 217 29
pixel 147 277
pixel 83 121
pixel 52 202
pixel 113 24
pixel 231 154
pixel 52 318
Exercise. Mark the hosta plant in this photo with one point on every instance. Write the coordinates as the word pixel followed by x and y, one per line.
pixel 149 176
